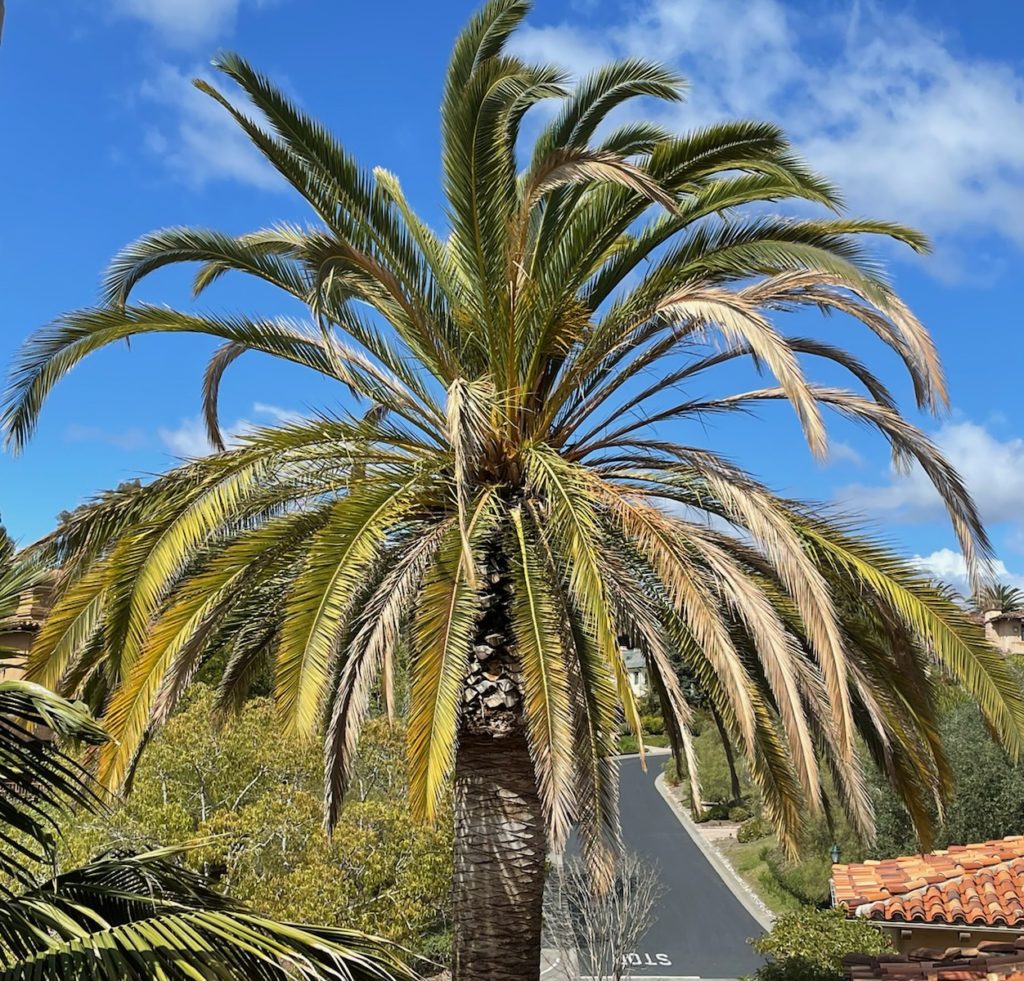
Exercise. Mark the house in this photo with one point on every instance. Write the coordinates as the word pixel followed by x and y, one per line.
pixel 17 631
pixel 958 897
pixel 1005 630
pixel 636 668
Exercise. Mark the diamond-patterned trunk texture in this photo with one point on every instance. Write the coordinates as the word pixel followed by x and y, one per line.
pixel 500 842
pixel 499 860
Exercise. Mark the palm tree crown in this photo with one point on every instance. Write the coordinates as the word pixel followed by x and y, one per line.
pixel 507 472
pixel 998 596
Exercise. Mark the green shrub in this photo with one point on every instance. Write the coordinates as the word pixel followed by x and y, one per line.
pixel 752 829
pixel 807 878
pixel 714 812
pixel 738 813
pixel 627 743
pixel 671 771
pixel 256 804
pixel 809 945
pixel 653 725
pixel 989 798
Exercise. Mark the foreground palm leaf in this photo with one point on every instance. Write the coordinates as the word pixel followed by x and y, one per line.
pixel 129 915
pixel 516 480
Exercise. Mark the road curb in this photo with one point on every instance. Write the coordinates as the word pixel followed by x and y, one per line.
pixel 748 900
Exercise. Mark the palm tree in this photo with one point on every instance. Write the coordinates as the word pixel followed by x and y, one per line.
pixel 128 915
pixel 514 478
pixel 998 596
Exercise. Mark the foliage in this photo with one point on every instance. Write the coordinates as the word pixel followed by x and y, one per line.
pixel 988 798
pixel 498 409
pixel 806 875
pixel 652 725
pixel 998 596
pixel 715 777
pixel 805 878
pixel 127 914
pixel 753 829
pixel 627 743
pixel 809 945
pixel 255 801
pixel 749 861
pixel 738 813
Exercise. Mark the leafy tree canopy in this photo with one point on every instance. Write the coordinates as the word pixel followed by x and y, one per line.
pixel 254 798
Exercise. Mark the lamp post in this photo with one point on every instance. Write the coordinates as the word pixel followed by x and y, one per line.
pixel 835 853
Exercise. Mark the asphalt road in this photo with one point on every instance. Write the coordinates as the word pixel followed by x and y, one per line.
pixel 701 929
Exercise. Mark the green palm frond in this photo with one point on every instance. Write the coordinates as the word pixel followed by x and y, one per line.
pixel 517 387
pixel 146 915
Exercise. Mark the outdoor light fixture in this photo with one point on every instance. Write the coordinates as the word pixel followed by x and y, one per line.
pixel 835 854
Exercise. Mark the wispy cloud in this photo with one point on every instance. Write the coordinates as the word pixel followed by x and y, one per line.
pixel 840 452
pixel 949 567
pixel 992 468
pixel 195 138
pixel 188 439
pixel 126 439
pixel 909 128
pixel 185 23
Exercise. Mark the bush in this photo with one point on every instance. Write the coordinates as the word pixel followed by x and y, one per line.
pixel 256 803
pixel 627 743
pixel 671 771
pixel 714 812
pixel 653 725
pixel 807 878
pixel 738 814
pixel 989 797
pixel 809 945
pixel 752 829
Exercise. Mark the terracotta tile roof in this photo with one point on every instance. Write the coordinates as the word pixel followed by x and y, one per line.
pixel 989 960
pixel 979 885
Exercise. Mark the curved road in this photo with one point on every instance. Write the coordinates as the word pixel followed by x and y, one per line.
pixel 702 928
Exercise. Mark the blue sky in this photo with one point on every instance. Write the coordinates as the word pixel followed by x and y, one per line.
pixel 916 109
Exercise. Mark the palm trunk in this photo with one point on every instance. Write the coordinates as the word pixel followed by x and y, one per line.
pixel 734 777
pixel 499 860
pixel 500 837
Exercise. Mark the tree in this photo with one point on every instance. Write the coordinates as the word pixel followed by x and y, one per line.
pixel 247 812
pixel 123 914
pixel 494 491
pixel 988 798
pixel 809 945
pixel 999 596
pixel 596 931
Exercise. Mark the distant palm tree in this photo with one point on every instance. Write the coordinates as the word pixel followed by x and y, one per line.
pixel 516 481
pixel 1000 596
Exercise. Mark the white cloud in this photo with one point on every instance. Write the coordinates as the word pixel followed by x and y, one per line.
pixel 909 128
pixel 840 452
pixel 199 142
pixel 276 413
pixel 127 439
pixel 562 44
pixel 992 468
pixel 184 23
pixel 949 567
pixel 188 439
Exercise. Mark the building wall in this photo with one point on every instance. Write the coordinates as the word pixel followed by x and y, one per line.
pixel 1005 633
pixel 920 935
pixel 17 643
